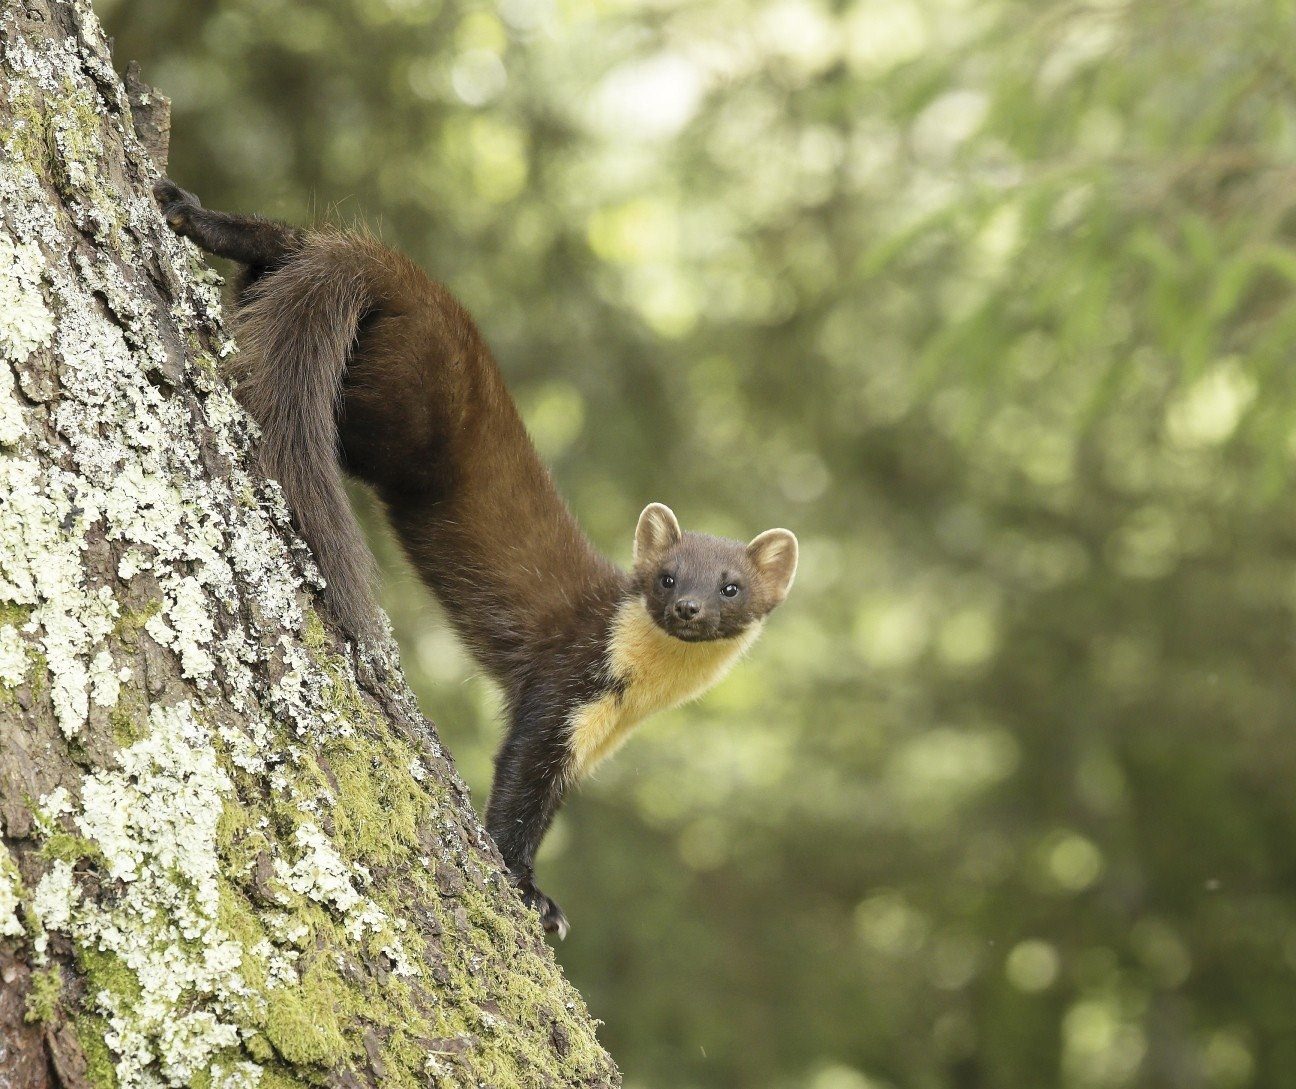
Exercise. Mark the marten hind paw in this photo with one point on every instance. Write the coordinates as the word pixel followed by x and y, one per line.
pixel 177 204
pixel 551 915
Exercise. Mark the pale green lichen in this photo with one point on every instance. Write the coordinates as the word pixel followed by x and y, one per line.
pixel 14 661
pixel 11 892
pixel 166 978
pixel 25 321
pixel 55 898
pixel 12 424
pixel 106 679
pixel 44 567
pixel 185 625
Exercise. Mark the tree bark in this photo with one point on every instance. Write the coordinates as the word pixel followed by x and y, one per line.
pixel 234 853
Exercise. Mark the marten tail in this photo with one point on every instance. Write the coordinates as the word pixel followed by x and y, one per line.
pixel 299 309
pixel 296 327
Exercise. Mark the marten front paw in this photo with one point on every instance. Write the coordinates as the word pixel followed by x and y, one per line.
pixel 177 204
pixel 551 915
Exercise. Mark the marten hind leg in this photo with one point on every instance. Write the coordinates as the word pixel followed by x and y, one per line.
pixel 260 245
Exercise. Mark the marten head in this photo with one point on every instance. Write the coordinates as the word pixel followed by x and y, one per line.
pixel 698 587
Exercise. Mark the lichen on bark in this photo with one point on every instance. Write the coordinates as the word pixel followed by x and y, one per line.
pixel 234 853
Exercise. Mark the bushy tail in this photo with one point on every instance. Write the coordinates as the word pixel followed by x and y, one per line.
pixel 296 328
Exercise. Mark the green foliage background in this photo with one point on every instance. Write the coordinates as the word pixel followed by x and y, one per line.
pixel 992 303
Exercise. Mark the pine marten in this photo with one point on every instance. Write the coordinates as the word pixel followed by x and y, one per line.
pixel 353 360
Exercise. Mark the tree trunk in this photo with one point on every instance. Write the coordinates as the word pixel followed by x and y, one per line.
pixel 233 850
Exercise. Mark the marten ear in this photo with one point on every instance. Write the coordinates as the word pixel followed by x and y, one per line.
pixel 774 553
pixel 657 531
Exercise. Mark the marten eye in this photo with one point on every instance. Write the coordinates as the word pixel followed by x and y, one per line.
pixel 668 581
pixel 730 590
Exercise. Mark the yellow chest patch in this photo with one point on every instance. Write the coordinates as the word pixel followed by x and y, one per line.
pixel 653 672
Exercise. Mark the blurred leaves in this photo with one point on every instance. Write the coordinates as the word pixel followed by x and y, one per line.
pixel 992 303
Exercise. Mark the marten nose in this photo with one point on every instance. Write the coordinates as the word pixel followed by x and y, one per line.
pixel 687 609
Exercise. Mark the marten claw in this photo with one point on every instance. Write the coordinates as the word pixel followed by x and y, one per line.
pixel 554 921
pixel 176 203
pixel 551 915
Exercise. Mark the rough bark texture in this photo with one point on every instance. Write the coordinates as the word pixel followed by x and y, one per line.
pixel 233 850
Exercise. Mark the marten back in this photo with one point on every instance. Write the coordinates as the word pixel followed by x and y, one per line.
pixel 425 418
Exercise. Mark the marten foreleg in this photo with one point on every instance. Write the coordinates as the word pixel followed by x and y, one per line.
pixel 532 770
